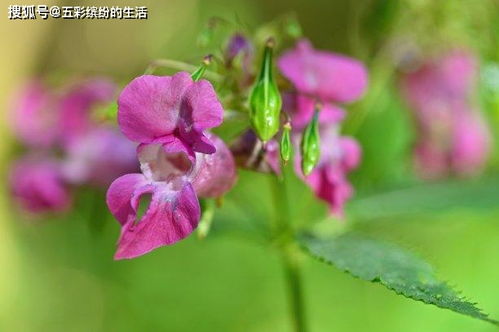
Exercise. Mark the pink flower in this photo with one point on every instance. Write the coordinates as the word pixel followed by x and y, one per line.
pixel 172 179
pixel 452 136
pixel 35 116
pixel 328 76
pixel 460 146
pixel 339 156
pixel 440 80
pixel 38 185
pixel 99 157
pixel 471 146
pixel 77 104
pixel 173 111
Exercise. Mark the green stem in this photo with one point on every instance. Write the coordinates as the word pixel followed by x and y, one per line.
pixel 179 65
pixel 295 290
pixel 283 233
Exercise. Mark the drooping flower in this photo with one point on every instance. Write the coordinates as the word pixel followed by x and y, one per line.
pixel 173 180
pixel 324 75
pixel 172 111
pixel 37 183
pixel 35 116
pixel 452 135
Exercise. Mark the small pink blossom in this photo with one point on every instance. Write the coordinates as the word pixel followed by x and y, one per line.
pixel 35 116
pixel 452 135
pixel 170 110
pixel 37 183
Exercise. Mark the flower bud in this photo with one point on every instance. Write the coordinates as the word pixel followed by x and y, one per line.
pixel 237 44
pixel 198 73
pixel 310 144
pixel 285 146
pixel 292 27
pixel 265 100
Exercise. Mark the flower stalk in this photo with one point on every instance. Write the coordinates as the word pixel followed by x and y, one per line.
pixel 291 265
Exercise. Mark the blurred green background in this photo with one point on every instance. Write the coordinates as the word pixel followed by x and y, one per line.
pixel 58 275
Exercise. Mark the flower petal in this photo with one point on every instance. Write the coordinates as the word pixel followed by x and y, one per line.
pixel 351 153
pixel 214 174
pixel 38 185
pixel 120 194
pixel 162 163
pixel 201 108
pixel 329 76
pixel 301 109
pixel 172 215
pixel 148 107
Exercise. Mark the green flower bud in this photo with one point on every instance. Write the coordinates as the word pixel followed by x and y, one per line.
pixel 198 73
pixel 311 145
pixel 265 99
pixel 292 27
pixel 285 146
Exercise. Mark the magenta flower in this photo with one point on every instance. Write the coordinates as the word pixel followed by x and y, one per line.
pixel 173 111
pixel 77 104
pixel 439 81
pixel 324 75
pixel 99 157
pixel 38 185
pixel 172 179
pixel 471 146
pixel 452 136
pixel 35 116
pixel 460 146
pixel 339 156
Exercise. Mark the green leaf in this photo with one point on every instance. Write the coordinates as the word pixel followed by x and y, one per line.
pixel 428 198
pixel 391 266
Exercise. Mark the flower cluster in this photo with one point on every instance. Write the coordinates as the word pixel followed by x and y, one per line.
pixel 329 79
pixel 66 145
pixel 452 135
